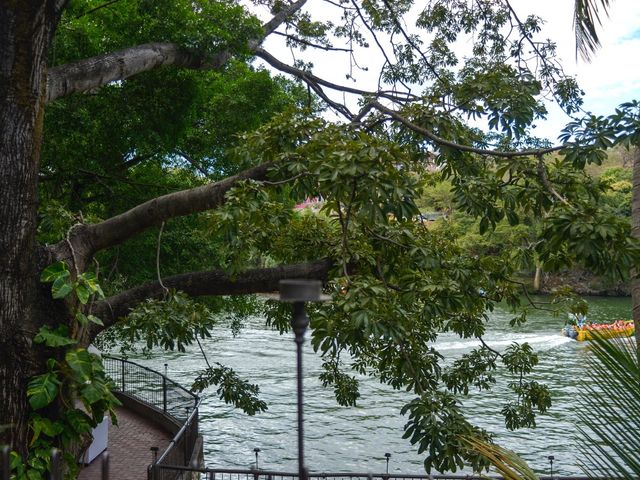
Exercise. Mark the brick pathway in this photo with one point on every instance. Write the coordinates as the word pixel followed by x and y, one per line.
pixel 129 444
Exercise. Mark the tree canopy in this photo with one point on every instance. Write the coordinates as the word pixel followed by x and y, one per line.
pixel 168 165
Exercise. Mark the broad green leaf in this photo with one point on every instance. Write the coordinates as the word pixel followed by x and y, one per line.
pixel 96 320
pixel 61 287
pixel 92 392
pixel 79 421
pixel 54 271
pixel 83 292
pixel 42 390
pixel 81 364
pixel 82 319
pixel 44 425
pixel 54 338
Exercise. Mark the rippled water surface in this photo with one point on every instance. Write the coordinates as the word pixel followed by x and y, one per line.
pixel 356 438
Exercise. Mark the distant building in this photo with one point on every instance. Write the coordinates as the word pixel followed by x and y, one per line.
pixel 313 203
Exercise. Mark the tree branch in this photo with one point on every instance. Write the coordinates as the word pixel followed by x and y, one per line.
pixel 464 148
pixel 281 16
pixel 544 179
pixel 96 72
pixel 213 282
pixel 302 41
pixel 99 7
pixel 88 239
pixel 310 78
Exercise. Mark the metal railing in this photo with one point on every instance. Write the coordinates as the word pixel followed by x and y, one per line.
pixel 156 390
pixel 151 387
pixel 177 461
pixel 172 399
pixel 180 452
pixel 253 474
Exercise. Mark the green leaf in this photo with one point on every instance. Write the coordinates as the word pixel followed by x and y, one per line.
pixel 80 362
pixel 46 426
pixel 91 393
pixel 54 338
pixel 82 319
pixel 79 421
pixel 34 475
pixel 83 293
pixel 54 271
pixel 42 390
pixel 96 320
pixel 61 287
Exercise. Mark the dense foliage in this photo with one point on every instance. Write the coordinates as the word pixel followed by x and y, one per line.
pixel 259 145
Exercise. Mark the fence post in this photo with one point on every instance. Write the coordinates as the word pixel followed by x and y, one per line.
pixel 164 394
pixel 105 466
pixel 122 370
pixel 4 463
pixel 56 466
pixel 152 471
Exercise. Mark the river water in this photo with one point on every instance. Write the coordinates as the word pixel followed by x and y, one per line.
pixel 355 439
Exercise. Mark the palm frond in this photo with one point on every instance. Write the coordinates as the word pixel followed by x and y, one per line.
pixel 506 462
pixel 609 411
pixel 586 20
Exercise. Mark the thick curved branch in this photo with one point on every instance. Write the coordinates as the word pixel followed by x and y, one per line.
pixel 59 6
pixel 88 239
pixel 213 282
pixel 95 72
pixel 279 18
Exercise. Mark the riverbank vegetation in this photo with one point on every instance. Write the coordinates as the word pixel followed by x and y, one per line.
pixel 151 169
pixel 614 176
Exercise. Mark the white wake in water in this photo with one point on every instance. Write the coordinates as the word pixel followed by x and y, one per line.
pixel 539 342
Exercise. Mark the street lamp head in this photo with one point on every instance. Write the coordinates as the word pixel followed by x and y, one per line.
pixel 302 290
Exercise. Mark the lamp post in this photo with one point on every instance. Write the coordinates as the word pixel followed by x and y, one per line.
pixel 298 292
pixel 256 451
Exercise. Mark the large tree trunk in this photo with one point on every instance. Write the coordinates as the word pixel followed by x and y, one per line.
pixel 635 232
pixel 26 29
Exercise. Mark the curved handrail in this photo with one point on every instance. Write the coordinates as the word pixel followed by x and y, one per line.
pixel 121 359
pixel 193 417
pixel 182 445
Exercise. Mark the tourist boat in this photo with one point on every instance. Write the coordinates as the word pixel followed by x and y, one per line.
pixel 587 331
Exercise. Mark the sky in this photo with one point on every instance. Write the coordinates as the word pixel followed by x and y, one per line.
pixel 613 75
pixel 611 78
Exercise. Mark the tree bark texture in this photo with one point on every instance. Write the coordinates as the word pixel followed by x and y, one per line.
pixel 85 240
pixel 26 29
pixel 214 282
pixel 91 73
pixel 26 85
